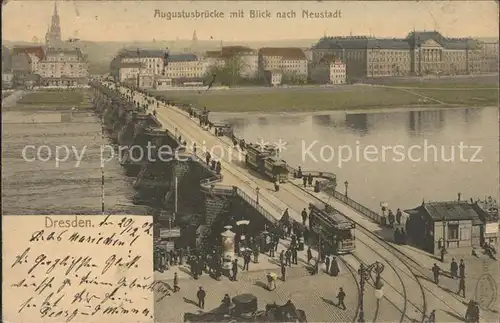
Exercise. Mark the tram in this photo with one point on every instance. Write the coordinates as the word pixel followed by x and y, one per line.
pixel 334 231
pixel 264 159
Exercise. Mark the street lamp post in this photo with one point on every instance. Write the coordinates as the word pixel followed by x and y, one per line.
pixel 257 192
pixel 364 274
pixel 346 183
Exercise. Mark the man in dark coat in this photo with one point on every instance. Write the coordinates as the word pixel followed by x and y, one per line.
pixel 461 287
pixel 201 297
pixel 340 297
pixel 304 216
pixel 454 268
pixel 288 257
pixel 435 272
pixel 283 272
pixel 295 256
pixel 176 283
pixel 309 255
pixel 334 267
pixel 461 268
pixel 246 260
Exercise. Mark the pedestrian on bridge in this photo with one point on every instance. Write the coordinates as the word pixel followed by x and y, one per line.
pixel 435 272
pixel 432 317
pixel 304 181
pixel 454 268
pixel 309 255
pixel 295 256
pixel 310 180
pixel 461 287
pixel 443 252
pixel 246 260
pixel 283 272
pixel 462 268
pixel 276 241
pixel 304 216
pixel 288 257
pixel 334 267
pixel 327 264
pixel 218 167
pixel 235 270
pixel 201 297
pixel 176 283
pixel 341 296
pixel 207 157
pixel 398 216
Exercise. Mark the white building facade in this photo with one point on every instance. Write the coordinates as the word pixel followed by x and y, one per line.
pixel 329 70
pixel 186 66
pixel 291 61
pixel 337 71
pixel 63 67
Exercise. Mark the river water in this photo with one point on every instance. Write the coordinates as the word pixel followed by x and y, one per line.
pixel 397 156
pixel 76 184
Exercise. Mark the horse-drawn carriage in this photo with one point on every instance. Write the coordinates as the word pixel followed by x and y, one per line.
pixel 244 308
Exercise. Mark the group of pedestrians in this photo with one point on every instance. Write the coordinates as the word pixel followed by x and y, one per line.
pixel 457 272
pixel 164 259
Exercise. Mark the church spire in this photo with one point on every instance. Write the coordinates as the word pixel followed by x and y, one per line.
pixel 53 35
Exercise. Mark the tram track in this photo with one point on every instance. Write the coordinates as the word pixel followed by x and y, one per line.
pixel 388 263
pixel 415 269
pixel 349 265
pixel 244 178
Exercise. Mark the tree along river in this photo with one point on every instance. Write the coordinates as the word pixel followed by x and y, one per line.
pixel 398 157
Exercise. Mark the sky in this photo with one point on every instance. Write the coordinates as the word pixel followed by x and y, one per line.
pixel 24 20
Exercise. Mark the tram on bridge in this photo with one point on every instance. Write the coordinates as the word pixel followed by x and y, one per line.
pixel 335 233
pixel 264 159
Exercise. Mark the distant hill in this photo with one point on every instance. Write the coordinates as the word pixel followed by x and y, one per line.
pixel 100 52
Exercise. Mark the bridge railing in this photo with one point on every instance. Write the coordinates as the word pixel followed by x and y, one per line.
pixel 353 204
pixel 259 208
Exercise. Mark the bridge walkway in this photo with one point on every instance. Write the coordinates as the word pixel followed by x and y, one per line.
pixel 293 197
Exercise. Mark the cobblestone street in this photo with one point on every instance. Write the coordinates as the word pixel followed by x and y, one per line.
pixel 316 295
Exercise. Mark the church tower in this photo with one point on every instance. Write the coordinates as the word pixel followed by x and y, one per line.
pixel 194 42
pixel 53 36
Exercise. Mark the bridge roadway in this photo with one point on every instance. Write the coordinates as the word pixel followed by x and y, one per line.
pixel 402 286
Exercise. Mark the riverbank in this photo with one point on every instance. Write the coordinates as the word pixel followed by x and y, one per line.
pixel 335 98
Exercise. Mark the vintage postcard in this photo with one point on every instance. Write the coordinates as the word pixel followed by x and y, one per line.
pixel 250 161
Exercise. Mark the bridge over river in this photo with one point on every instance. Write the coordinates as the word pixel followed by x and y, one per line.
pixel 407 281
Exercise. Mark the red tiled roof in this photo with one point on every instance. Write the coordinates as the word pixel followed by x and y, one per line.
pixel 36 50
pixel 287 53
